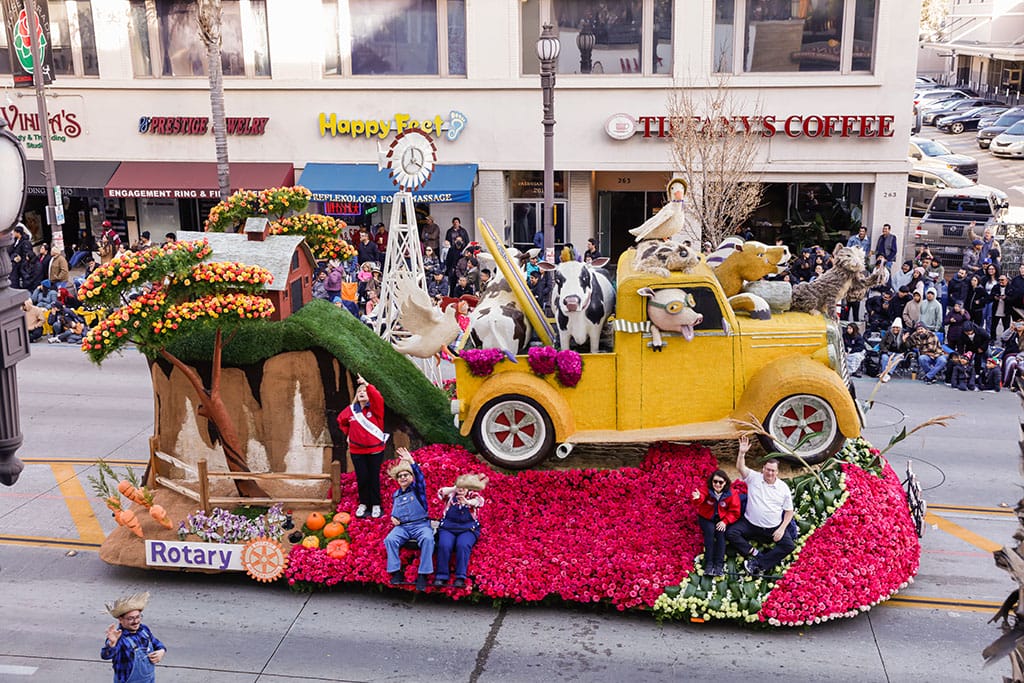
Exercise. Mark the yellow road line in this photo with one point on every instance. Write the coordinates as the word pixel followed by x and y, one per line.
pixel 88 526
pixel 82 461
pixel 972 509
pixel 924 602
pixel 962 533
pixel 44 542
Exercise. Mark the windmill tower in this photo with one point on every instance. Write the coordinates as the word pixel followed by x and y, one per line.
pixel 410 160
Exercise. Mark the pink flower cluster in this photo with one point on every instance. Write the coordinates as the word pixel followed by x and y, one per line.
pixel 542 359
pixel 617 536
pixel 866 551
pixel 570 368
pixel 481 362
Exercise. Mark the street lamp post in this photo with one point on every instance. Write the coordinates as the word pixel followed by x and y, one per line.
pixel 547 51
pixel 585 41
pixel 13 331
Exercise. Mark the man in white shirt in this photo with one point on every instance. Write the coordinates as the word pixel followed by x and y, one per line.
pixel 767 517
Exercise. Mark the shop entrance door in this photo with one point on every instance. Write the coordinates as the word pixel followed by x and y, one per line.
pixel 620 212
pixel 528 218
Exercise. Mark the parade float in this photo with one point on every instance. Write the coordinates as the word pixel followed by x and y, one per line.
pixel 250 471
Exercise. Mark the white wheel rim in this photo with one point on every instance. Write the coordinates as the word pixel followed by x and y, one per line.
pixel 799 416
pixel 513 431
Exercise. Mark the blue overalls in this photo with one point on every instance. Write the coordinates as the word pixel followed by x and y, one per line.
pixel 415 524
pixel 458 531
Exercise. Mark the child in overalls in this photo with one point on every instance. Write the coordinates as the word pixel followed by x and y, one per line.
pixel 460 527
pixel 410 520
pixel 130 644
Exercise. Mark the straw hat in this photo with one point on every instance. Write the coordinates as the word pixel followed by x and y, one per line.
pixel 473 482
pixel 129 603
pixel 402 466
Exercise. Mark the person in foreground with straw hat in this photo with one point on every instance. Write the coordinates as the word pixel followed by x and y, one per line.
pixel 130 644
pixel 460 528
pixel 409 519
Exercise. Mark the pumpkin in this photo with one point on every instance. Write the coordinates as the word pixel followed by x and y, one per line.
pixel 333 530
pixel 311 542
pixel 337 548
pixel 342 518
pixel 315 521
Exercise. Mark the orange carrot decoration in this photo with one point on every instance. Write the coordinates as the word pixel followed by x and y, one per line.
pixel 158 513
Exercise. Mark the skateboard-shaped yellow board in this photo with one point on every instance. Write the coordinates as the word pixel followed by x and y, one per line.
pixel 514 277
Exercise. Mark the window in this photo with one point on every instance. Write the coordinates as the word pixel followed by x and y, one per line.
pixel 611 37
pixel 771 36
pixel 72 38
pixel 165 39
pixel 395 37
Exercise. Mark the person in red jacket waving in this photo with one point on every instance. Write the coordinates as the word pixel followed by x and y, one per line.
pixel 718 506
pixel 363 424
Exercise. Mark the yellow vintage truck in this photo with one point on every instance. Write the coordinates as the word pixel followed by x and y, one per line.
pixel 787 373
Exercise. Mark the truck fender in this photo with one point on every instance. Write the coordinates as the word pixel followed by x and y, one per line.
pixel 798 375
pixel 505 383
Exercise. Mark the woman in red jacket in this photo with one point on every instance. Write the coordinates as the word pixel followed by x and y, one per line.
pixel 363 424
pixel 718 506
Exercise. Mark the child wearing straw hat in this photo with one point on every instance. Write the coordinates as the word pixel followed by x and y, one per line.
pixel 459 527
pixel 130 644
pixel 409 519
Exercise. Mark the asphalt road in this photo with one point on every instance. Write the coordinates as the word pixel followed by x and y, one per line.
pixel 228 628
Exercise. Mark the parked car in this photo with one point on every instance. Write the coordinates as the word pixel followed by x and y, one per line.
pixel 931 113
pixel 958 122
pixel 1009 143
pixel 924 152
pixel 925 83
pixel 924 181
pixel 946 226
pixel 937 95
pixel 987 133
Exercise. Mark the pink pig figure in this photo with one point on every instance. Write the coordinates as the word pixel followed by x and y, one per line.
pixel 670 310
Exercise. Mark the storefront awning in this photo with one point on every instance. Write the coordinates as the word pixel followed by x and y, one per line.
pixel 364 183
pixel 74 177
pixel 188 180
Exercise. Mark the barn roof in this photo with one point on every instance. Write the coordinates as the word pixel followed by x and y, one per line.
pixel 274 253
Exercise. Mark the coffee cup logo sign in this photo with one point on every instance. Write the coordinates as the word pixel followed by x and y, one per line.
pixel 439 127
pixel 814 126
pixel 63 126
pixel 21 32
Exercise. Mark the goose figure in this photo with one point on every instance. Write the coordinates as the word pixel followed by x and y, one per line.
pixel 669 220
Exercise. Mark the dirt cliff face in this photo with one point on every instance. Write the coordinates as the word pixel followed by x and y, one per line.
pixel 280 408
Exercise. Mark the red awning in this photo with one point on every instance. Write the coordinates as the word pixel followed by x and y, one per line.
pixel 188 180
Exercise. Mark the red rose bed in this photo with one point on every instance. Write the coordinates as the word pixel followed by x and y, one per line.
pixel 628 538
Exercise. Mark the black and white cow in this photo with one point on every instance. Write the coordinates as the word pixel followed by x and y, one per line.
pixel 498 321
pixel 582 299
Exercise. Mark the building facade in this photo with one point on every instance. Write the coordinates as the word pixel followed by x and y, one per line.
pixel 315 88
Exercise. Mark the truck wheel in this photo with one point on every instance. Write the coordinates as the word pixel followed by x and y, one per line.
pixel 794 418
pixel 514 432
pixel 956 128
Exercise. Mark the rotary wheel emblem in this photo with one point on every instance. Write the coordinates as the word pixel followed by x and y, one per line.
pixel 263 559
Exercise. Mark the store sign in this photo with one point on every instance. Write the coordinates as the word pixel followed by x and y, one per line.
pixel 63 126
pixel 343 208
pixel 438 127
pixel 124 193
pixel 624 126
pixel 200 125
pixel 21 32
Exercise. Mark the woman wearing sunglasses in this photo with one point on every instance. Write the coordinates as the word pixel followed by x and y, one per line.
pixel 718 506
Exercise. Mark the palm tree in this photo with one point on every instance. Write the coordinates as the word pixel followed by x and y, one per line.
pixel 209 31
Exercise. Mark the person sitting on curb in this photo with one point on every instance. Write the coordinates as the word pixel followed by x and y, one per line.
pixel 409 519
pixel 767 517
pixel 895 342
pixel 460 528
pixel 962 377
pixel 931 359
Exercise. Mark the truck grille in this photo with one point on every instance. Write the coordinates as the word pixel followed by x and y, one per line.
pixel 969 170
pixel 953 230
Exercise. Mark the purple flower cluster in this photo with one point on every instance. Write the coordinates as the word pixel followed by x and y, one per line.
pixel 542 359
pixel 221 526
pixel 570 368
pixel 481 362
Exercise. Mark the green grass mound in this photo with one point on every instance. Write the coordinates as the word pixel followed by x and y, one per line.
pixel 319 324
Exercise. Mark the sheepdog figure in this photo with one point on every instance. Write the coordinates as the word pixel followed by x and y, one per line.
pixel 663 256
pixel 822 295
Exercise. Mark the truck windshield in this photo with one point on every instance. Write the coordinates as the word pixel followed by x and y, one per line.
pixel 961 205
pixel 932 149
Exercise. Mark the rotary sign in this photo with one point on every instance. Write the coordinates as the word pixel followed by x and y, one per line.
pixel 21 31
